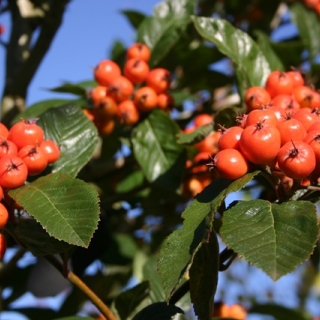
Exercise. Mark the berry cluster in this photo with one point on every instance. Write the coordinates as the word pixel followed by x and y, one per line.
pixel 313 4
pixel 280 130
pixel 200 177
pixel 23 152
pixel 125 96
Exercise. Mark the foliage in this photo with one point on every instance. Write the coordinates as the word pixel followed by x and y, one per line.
pixel 126 198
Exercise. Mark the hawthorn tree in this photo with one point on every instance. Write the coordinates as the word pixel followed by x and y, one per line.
pixel 146 198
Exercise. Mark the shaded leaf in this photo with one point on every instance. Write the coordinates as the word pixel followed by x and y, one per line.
pixel 74 133
pixel 289 52
pixel 67 208
pixel 195 136
pixel 75 318
pixel 279 312
pixel 127 301
pixel 130 181
pixel 151 274
pixel 158 311
pixel 227 117
pixel 204 277
pixel 272 242
pixel 37 240
pixel 179 248
pixel 155 148
pixel 247 56
pixel 265 44
pixel 308 25
pixel 134 17
pixel 162 31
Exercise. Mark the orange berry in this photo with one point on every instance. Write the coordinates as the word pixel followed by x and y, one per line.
pixel 139 51
pixel 136 70
pixel 128 114
pixel 120 89
pixel 145 98
pixel 159 80
pixel 106 71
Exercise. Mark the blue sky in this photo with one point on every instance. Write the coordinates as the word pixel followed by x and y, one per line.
pixel 88 31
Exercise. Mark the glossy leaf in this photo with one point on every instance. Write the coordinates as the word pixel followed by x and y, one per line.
pixel 127 301
pixel 247 56
pixel 74 133
pixel 67 208
pixel 308 25
pixel 155 148
pixel 37 240
pixel 195 136
pixel 204 277
pixel 279 312
pixel 157 311
pixel 272 242
pixel 161 32
pixel 179 248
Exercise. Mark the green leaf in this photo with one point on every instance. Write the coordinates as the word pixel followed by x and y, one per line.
pixel 67 208
pixel 127 301
pixel 179 248
pixel 265 44
pixel 74 133
pixel 151 274
pixel 247 56
pixel 161 159
pixel 271 243
pixel 204 277
pixel 170 8
pixel 227 117
pixel 134 17
pixel 162 31
pixel 158 311
pixel 38 108
pixel 279 312
pixel 308 25
pixel 289 52
pixel 130 181
pixel 37 240
pixel 195 136
pixel 70 88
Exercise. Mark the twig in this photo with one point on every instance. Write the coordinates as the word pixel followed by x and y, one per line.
pixel 104 309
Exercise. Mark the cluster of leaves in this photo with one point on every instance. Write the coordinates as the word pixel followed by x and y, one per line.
pixel 63 211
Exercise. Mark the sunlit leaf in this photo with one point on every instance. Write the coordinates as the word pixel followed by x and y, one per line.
pixel 266 234
pixel 67 208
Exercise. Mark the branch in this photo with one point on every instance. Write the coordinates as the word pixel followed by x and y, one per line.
pixel 22 60
pixel 83 287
